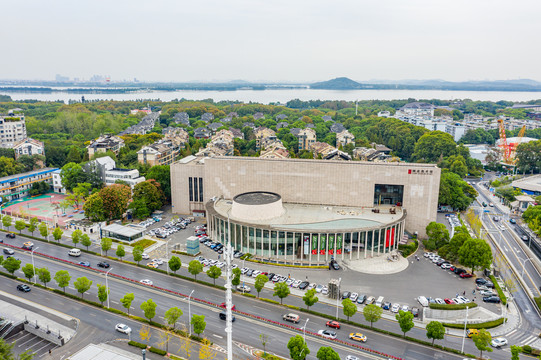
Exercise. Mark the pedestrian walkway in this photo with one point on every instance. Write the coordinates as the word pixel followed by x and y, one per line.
pixel 377 265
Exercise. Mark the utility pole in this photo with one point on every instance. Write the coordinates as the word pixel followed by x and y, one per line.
pixel 228 296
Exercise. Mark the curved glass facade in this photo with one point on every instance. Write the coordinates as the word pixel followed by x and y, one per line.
pixel 311 246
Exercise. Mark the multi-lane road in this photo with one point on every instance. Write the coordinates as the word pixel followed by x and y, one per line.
pixel 246 330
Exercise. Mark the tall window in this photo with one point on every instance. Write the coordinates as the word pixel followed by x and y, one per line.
pixel 196 193
pixel 191 188
pixel 388 194
pixel 201 189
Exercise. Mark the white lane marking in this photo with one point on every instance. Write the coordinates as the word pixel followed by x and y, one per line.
pixel 114 302
pixel 30 347
pixel 531 339
pixel 218 336
pixel 27 341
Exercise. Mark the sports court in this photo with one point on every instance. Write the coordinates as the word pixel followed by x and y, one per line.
pixel 44 207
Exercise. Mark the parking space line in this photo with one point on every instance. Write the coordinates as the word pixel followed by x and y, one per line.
pixel 27 341
pixel 45 353
pixel 44 346
pixel 30 347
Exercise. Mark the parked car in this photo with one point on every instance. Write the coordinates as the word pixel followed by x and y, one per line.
pixel 439 301
pixel 296 284
pixel 319 288
pixel 386 305
pixel 449 301
pixel 353 297
pixel 415 311
pixel 464 299
pixel 361 299
pixel 459 271
pixel 487 293
pixel 445 265
pixel 303 285
pixel 125 329
pixel 370 300
pixel 23 288
pixel 491 299
pixel 512 221
pixel 346 295
pixel 333 324
pixel 329 334
pixel 405 308
pixel 465 275
pixel 395 308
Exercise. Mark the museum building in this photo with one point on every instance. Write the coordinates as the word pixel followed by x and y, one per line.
pixel 306 211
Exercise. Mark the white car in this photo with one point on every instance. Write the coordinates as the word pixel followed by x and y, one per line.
pixel 325 290
pixel 319 288
pixel 125 329
pixel 487 293
pixel 458 301
pixel 329 334
pixel 427 254
pixel 464 299
pixel 498 342
pixel 395 308
pixel 290 281
pixel 296 284
pixel 145 256
pixel 352 357
pixel 146 282
pixel 353 297
pixel 244 288
pixel 436 259
pixel 244 270
pixel 157 261
pixel 255 273
pixel 311 286
pixel 439 301
pixel 405 308
pixel 501 227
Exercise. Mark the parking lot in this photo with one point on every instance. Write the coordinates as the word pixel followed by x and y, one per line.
pixel 26 341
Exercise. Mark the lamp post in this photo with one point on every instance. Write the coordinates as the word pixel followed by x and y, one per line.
pixel 338 297
pixel 524 263
pixel 465 323
pixel 190 312
pixel 304 330
pixel 167 254
pixel 243 276
pixel 107 286
pixel 33 267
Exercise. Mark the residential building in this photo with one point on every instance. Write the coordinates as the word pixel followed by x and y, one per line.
pixel 221 144
pixel 370 154
pixel 417 109
pixel 17 186
pixel 282 124
pixel 12 128
pixel 258 115
pixel 306 138
pixel 237 133
pixel 280 117
pixel 276 151
pixel 327 118
pixel 156 154
pixel 145 110
pixel 262 133
pixel 249 124
pixel 101 165
pixel 206 117
pixel 144 126
pixel 130 176
pixel 321 149
pixel 57 182
pixel 215 126
pixel 201 133
pixel 457 130
pixel 177 136
pixel 337 128
pixel 384 114
pixel 105 143
pixel 28 147
pixel 232 115
pixel 343 138
pixel 182 118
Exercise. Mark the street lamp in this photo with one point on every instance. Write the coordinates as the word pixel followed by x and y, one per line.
pixel 167 254
pixel 107 286
pixel 243 276
pixel 338 297
pixel 524 263
pixel 33 267
pixel 190 312
pixel 304 331
pixel 465 323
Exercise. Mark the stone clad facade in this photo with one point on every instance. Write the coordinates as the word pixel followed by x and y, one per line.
pixel 365 185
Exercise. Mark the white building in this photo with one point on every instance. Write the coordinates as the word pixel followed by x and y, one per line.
pixel 12 129
pixel 457 130
pixel 57 182
pixel 28 146
pixel 130 176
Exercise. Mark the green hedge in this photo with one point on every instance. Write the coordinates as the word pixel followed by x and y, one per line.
pixel 154 350
pixel 270 301
pixel 484 325
pixel 503 298
pixel 137 344
pixel 408 249
pixel 452 306
pixel 538 301
pixel 184 253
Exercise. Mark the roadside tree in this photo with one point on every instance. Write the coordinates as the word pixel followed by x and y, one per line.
pixel 281 290
pixel 11 265
pixel 435 331
pixel 120 252
pixel 138 253
pixel 405 320
pixel 214 272
pixel 28 271
pixel 6 221
pixel 32 225
pixel 260 281
pixel 235 281
pixel 327 353
pixel 298 350
pixel 76 237
pixel 57 234
pixel 82 285
pixel 172 315
pixel 126 301
pixel 44 275
pixel 106 244
pixel 349 308
pixel 310 298
pixel 438 236
pixel 198 323
pixel 482 341
pixel 20 225
pixel 149 308
pixel 43 230
pixel 175 264
pixel 62 278
pixel 372 313
pixel 103 293
pixel 475 254
pixel 195 267
pixel 85 241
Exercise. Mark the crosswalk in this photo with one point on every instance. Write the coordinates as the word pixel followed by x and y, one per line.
pixel 521 339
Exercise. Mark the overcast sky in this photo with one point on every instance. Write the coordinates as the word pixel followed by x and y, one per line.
pixel 273 40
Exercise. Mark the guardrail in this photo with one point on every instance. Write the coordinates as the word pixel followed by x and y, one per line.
pixel 259 318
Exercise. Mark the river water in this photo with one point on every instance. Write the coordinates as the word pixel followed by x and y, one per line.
pixel 284 95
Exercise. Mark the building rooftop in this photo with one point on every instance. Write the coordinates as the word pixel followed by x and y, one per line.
pixel 15 177
pixel 127 231
pixel 256 198
pixel 530 183
pixel 316 217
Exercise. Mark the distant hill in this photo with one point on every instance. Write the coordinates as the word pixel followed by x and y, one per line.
pixel 341 83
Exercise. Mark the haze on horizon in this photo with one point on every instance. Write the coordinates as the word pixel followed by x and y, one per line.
pixel 279 40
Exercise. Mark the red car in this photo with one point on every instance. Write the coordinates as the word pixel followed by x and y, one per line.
pixel 222 305
pixel 449 301
pixel 333 324
pixel 465 275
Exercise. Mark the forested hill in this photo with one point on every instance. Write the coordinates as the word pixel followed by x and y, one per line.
pixel 341 83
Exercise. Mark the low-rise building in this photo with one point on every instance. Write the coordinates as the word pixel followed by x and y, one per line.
pixel 201 133
pixel 130 176
pixel 221 144
pixel 57 182
pixel 262 133
pixel 206 117
pixel 28 147
pixel 12 128
pixel 123 233
pixel 105 143
pixel 156 154
pixel 343 138
pixel 277 151
pixel 306 137
pixel 530 185
pixel 457 130
pixel 182 118
pixel 17 186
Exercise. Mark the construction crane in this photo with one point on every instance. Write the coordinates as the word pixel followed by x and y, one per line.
pixel 509 149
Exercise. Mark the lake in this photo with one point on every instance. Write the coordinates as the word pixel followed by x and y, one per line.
pixel 284 95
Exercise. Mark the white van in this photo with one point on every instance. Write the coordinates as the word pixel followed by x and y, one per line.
pixel 74 252
pixel 379 301
pixel 423 301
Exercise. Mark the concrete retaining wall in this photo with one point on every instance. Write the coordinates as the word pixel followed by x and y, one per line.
pixel 475 315
pixel 51 336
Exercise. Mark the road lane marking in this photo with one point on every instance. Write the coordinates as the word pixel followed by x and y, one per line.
pixel 115 302
pixel 218 336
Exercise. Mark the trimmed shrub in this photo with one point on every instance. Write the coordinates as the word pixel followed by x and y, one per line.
pixel 408 249
pixel 538 301
pixel 527 349
pixel 452 306
pixel 483 325
pixel 502 296
pixel 137 344
pixel 154 350
pixel 270 301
